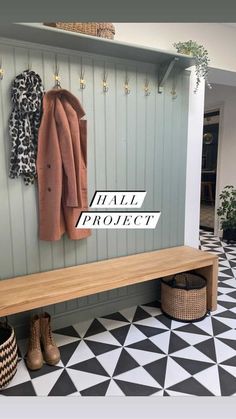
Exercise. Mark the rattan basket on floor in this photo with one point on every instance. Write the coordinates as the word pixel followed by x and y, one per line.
pixel 103 30
pixel 8 354
pixel 184 297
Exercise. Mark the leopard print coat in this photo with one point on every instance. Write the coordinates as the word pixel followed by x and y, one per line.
pixel 26 95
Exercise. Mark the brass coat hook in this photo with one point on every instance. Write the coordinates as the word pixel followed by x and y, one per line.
pixel 126 86
pixel 57 77
pixel 82 80
pixel 173 90
pixel 1 70
pixel 104 83
pixel 147 88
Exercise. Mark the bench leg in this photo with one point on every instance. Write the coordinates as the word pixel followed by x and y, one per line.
pixel 211 275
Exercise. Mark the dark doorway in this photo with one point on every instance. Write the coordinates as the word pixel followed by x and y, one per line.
pixel 209 169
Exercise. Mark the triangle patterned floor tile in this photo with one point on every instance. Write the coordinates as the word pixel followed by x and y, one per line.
pixel 67 351
pixel 84 380
pixel 174 373
pixel 145 345
pixel 23 389
pixel 207 348
pixel 138 376
pixel 99 348
pixel 91 366
pixel 176 343
pixel 43 386
pixel 95 328
pixel 190 386
pixel 157 370
pixel 192 366
pixel 227 382
pixel 109 360
pixel 114 389
pixel 63 386
pixel 120 334
pixel 67 331
pixel 81 353
pixel 125 363
pixel 149 331
pixel 97 390
pixel 140 314
pixel 132 389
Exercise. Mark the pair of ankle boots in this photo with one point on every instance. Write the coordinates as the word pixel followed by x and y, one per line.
pixel 41 346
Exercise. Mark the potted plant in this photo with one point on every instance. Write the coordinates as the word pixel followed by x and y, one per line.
pixel 200 55
pixel 227 212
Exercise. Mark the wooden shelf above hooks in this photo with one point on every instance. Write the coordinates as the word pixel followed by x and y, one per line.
pixel 45 35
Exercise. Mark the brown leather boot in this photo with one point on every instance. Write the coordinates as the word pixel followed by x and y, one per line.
pixel 34 358
pixel 51 352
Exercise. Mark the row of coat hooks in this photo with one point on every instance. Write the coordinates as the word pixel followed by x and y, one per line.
pixel 82 80
pixel 105 84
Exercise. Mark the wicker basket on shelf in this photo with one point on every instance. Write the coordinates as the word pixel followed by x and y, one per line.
pixel 184 297
pixel 102 30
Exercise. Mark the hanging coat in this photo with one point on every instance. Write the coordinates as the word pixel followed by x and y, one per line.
pixel 62 166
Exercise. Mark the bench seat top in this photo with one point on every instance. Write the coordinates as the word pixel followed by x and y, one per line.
pixel 32 291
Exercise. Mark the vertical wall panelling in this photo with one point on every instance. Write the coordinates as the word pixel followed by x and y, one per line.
pixel 167 156
pixel 121 148
pixel 111 159
pixel 134 142
pixel 176 133
pixel 131 135
pixel 149 155
pixel 17 189
pixel 158 168
pixel 74 87
pixel 47 254
pixel 100 144
pixel 6 245
pixel 88 102
pixel 141 146
pixel 30 193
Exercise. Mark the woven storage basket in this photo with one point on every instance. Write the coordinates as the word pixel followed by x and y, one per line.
pixel 103 30
pixel 8 354
pixel 184 297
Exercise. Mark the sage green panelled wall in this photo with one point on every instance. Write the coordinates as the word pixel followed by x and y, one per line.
pixel 134 142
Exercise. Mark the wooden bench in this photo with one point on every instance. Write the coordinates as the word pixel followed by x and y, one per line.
pixel 41 289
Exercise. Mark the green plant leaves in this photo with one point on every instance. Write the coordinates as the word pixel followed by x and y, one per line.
pixel 227 209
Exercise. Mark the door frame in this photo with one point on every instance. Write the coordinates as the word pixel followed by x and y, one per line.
pixel 210 108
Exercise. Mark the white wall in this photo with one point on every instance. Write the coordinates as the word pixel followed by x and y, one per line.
pixel 194 159
pixel 224 97
pixel 218 38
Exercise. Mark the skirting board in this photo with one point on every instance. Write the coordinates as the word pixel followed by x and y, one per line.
pixel 136 295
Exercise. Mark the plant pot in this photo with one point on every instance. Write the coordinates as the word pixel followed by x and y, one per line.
pixel 229 234
pixel 185 51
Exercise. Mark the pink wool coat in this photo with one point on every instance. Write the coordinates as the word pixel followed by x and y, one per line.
pixel 61 166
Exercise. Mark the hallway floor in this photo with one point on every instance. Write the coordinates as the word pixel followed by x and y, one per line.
pixel 140 352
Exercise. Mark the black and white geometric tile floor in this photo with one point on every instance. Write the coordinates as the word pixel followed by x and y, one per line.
pixel 140 352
